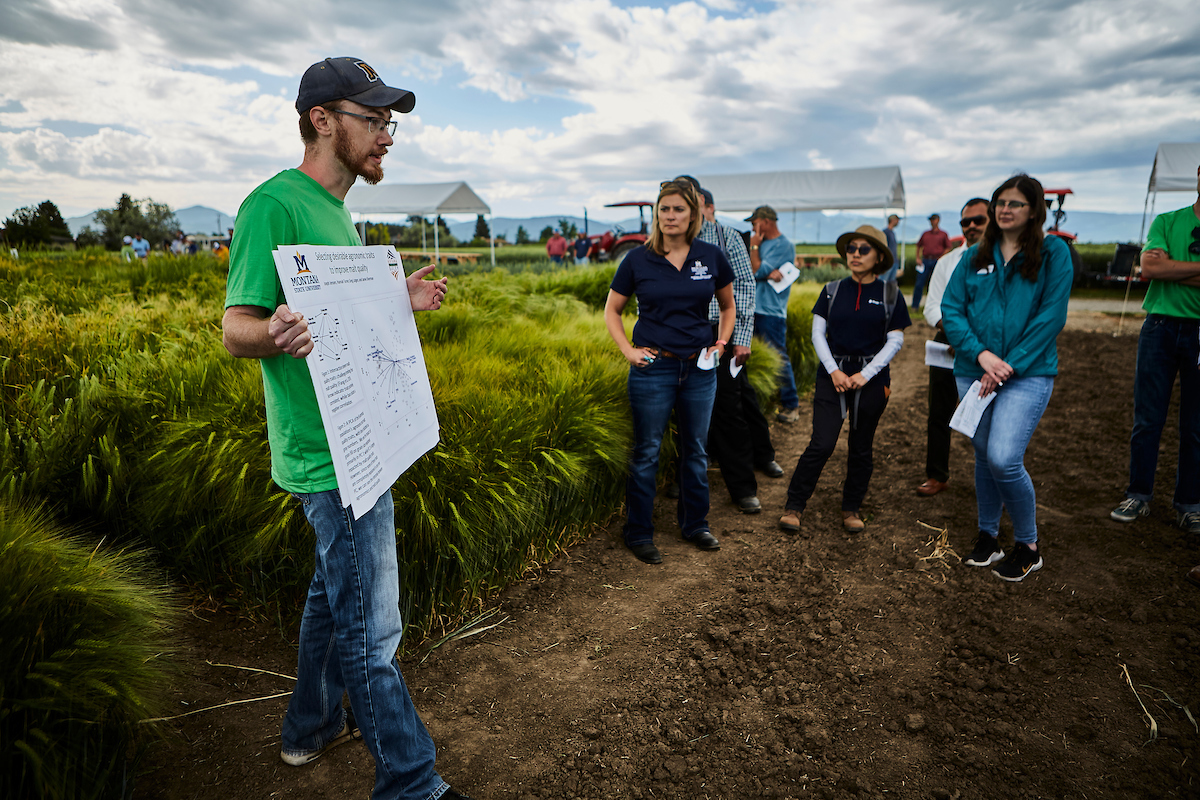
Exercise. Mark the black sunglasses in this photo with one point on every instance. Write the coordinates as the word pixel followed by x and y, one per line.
pixel 979 220
pixel 861 249
pixel 1194 247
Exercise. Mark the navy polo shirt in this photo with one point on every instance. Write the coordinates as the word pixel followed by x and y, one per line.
pixel 855 325
pixel 673 303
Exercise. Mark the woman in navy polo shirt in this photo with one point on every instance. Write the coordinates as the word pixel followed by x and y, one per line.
pixel 674 276
pixel 855 336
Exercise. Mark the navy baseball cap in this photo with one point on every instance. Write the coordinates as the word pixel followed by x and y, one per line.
pixel 348 78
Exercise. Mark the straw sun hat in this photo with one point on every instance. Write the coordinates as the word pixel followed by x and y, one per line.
pixel 877 240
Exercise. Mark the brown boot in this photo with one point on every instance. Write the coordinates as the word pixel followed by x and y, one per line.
pixel 852 522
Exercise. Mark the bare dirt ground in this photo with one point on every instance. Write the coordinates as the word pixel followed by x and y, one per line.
pixel 824 665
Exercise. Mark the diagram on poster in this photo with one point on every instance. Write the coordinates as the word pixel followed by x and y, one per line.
pixel 366 364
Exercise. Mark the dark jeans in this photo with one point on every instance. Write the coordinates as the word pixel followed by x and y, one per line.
pixel 943 399
pixel 738 436
pixel 1168 345
pixel 654 391
pixel 827 425
pixel 923 276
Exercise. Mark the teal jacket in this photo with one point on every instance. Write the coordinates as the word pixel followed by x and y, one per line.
pixel 998 310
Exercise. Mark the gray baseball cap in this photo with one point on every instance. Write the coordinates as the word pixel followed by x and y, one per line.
pixel 348 78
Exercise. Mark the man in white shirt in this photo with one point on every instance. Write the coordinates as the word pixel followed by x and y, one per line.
pixel 943 394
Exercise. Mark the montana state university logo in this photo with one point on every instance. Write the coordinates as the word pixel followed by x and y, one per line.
pixel 301 264
pixel 304 280
pixel 371 74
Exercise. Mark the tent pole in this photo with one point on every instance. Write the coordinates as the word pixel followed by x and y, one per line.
pixel 903 228
pixel 492 238
pixel 1145 205
pixel 424 247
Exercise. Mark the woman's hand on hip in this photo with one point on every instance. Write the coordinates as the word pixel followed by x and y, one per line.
pixel 841 381
pixel 641 357
pixel 995 367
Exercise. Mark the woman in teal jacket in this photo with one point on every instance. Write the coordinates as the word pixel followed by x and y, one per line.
pixel 1003 308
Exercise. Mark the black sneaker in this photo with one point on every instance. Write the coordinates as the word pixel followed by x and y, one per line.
pixel 987 551
pixel 1020 562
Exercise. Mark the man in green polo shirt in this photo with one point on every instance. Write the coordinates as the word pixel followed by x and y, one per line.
pixel 1169 344
pixel 351 627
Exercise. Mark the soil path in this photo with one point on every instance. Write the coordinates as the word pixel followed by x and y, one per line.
pixel 822 665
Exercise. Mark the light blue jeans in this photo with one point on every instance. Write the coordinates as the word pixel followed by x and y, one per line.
pixel 1001 480
pixel 349 635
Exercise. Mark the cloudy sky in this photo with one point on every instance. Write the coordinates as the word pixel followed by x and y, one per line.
pixel 548 106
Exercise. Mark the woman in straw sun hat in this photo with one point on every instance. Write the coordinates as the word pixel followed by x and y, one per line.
pixel 858 327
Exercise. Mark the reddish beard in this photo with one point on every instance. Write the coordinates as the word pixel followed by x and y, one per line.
pixel 357 163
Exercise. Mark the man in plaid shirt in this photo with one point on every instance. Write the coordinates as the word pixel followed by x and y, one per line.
pixel 739 438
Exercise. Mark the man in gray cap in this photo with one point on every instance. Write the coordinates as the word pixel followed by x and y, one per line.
pixel 351 626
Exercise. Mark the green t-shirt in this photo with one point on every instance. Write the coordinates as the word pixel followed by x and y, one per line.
pixel 1173 232
pixel 290 208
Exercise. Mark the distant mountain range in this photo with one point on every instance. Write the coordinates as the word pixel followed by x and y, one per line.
pixel 803 227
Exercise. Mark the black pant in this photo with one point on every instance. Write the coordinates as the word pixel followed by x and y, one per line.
pixel 827 425
pixel 943 399
pixel 739 438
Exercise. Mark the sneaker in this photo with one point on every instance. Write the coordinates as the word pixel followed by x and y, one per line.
pixel 788 416
pixel 1188 521
pixel 298 759
pixel 987 551
pixel 1020 562
pixel 1130 510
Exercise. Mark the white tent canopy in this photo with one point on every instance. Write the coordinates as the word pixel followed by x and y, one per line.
pixel 1174 170
pixel 419 199
pixel 810 190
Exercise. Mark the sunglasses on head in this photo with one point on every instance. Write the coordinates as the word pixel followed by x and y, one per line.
pixel 977 220
pixel 861 249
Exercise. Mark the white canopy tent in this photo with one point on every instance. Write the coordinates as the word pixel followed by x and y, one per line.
pixel 419 199
pixel 810 190
pixel 1174 170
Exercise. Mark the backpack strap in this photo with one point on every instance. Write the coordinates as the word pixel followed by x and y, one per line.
pixel 891 290
pixel 831 289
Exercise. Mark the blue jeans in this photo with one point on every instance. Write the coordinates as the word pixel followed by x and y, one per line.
pixel 774 330
pixel 1001 480
pixel 349 635
pixel 927 265
pixel 654 390
pixel 1168 345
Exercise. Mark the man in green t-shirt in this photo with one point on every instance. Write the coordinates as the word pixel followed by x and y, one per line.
pixel 1169 344
pixel 351 627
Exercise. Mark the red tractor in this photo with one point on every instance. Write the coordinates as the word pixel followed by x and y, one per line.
pixel 615 244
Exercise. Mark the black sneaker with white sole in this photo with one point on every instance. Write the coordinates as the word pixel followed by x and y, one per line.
pixel 987 551
pixel 1022 561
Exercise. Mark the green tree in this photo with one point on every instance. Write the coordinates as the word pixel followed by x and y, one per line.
pixel 378 234
pixel 481 228
pixel 40 224
pixel 522 235
pixel 546 233
pixel 567 227
pixel 154 221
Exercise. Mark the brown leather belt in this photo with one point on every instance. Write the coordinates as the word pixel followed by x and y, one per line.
pixel 669 354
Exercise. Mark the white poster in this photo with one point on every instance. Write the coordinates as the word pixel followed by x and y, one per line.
pixel 366 363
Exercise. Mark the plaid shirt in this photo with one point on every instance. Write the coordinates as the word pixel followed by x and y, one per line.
pixel 730 242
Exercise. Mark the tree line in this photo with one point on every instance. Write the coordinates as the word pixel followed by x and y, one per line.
pixel 43 225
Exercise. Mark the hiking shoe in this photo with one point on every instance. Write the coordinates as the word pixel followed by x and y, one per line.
pixel 987 551
pixel 852 522
pixel 1020 562
pixel 1130 510
pixel 790 521
pixel 1188 521
pixel 298 759
pixel 788 416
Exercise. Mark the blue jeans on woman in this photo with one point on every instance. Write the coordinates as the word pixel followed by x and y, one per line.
pixel 1168 345
pixel 774 330
pixel 349 635
pixel 1001 480
pixel 654 390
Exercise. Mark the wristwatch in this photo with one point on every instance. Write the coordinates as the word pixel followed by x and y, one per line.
pixel 753 247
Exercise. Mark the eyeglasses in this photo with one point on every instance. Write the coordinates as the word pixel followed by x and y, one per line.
pixel 979 220
pixel 1194 247
pixel 861 249
pixel 374 124
pixel 1012 205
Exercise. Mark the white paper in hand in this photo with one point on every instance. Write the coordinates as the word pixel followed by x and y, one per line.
pixel 937 354
pixel 707 358
pixel 735 368
pixel 970 410
pixel 790 273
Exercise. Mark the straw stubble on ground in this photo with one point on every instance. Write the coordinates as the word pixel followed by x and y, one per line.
pixel 824 665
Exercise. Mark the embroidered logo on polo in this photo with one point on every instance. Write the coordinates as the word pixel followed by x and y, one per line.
pixel 371 74
pixel 700 272
pixel 873 302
